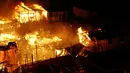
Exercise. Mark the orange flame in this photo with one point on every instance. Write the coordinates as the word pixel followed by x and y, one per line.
pixel 25 14
pixel 37 44
pixel 44 12
pixel 5 21
pixel 83 37
pixel 5 38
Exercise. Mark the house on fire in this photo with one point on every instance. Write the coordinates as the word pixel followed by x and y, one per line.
pixel 57 9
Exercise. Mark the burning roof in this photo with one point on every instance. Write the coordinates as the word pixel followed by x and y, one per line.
pixel 33 13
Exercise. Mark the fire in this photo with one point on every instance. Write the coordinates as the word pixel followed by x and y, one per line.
pixel 31 38
pixel 5 38
pixel 25 14
pixel 34 39
pixel 44 12
pixel 61 52
pixel 37 45
pixel 83 37
pixel 5 21
pixel 49 40
pixel 58 52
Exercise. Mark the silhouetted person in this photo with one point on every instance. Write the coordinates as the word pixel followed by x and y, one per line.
pixel 23 70
pixel 1 71
pixel 5 70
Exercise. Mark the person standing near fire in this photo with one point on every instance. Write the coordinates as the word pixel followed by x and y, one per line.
pixel 12 58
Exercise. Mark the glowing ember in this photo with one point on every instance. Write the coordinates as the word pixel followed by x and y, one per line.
pixel 24 14
pixel 83 37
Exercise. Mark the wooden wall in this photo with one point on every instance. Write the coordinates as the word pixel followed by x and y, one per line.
pixel 57 16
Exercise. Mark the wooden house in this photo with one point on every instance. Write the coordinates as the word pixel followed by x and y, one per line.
pixel 57 9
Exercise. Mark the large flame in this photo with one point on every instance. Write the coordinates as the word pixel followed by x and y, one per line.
pixel 31 38
pixel 83 37
pixel 34 39
pixel 35 45
pixel 41 47
pixel 44 12
pixel 24 13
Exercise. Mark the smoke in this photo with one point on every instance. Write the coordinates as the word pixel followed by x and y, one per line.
pixel 6 6
pixel 66 32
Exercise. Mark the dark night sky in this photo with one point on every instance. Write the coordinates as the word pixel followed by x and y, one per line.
pixel 111 10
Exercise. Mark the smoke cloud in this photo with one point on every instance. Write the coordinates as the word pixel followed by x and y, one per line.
pixel 6 6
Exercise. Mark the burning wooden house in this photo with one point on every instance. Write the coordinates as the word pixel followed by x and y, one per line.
pixel 55 12
pixel 25 13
